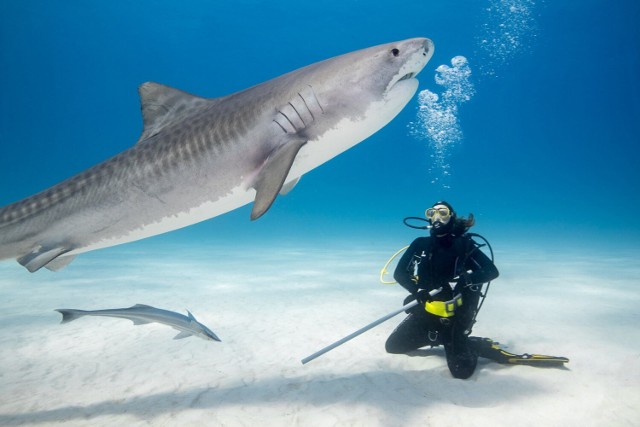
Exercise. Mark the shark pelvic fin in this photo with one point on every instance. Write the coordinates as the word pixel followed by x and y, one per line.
pixel 289 186
pixel 35 260
pixel 182 335
pixel 163 105
pixel 60 263
pixel 269 181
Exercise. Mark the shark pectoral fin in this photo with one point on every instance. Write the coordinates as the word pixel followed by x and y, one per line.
pixel 34 261
pixel 60 263
pixel 182 335
pixel 289 186
pixel 270 179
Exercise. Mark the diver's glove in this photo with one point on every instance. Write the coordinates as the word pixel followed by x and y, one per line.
pixel 422 296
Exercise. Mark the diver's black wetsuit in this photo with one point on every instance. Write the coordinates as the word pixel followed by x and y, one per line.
pixel 437 261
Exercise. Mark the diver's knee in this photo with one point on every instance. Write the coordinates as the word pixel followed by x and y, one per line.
pixel 392 347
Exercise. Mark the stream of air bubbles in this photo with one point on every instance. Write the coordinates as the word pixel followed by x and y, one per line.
pixel 507 30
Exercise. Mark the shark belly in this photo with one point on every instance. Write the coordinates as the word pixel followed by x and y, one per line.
pixel 237 197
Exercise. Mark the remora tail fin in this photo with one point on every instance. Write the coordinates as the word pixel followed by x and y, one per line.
pixel 69 314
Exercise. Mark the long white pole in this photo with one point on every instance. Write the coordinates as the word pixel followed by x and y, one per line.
pixel 358 332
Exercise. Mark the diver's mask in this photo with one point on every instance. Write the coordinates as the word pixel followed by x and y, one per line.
pixel 438 213
pixel 440 216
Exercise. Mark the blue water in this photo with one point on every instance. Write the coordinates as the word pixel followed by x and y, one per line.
pixel 547 142
pixel 528 115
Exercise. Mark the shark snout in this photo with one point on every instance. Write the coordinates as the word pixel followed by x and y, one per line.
pixel 428 45
pixel 414 55
pixel 424 46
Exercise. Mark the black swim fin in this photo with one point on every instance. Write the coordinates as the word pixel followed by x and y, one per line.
pixel 487 348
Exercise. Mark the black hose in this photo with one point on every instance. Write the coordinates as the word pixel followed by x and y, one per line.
pixel 416 218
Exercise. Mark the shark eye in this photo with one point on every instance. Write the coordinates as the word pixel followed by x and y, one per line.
pixel 395 52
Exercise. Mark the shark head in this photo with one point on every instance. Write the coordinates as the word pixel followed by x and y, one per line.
pixel 328 107
pixel 201 330
pixel 385 73
pixel 356 94
pixel 208 334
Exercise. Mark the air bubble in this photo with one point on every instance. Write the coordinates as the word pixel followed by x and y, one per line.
pixel 509 26
pixel 437 117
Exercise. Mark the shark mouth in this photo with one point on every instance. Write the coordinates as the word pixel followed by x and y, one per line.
pixel 401 80
pixel 407 77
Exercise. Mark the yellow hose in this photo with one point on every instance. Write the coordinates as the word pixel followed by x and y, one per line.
pixel 384 270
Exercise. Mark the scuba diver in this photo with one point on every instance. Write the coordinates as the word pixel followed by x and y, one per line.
pixel 445 273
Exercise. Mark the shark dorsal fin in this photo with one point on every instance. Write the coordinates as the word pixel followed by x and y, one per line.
pixel 163 105
pixel 141 306
pixel 190 316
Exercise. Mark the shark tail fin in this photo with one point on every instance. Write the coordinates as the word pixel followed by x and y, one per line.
pixel 69 314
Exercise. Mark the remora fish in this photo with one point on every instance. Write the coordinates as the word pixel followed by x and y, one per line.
pixel 142 314
pixel 198 158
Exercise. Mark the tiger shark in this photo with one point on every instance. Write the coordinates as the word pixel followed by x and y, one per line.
pixel 201 157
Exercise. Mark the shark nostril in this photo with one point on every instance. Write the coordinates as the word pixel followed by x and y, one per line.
pixel 395 52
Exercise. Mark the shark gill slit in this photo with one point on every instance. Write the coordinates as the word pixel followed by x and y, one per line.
pixel 281 127
pixel 290 122
pixel 304 125
pixel 315 98
pixel 313 118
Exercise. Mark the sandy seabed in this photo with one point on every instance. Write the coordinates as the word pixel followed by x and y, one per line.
pixel 274 307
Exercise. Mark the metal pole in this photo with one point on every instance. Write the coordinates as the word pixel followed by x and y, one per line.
pixel 358 332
